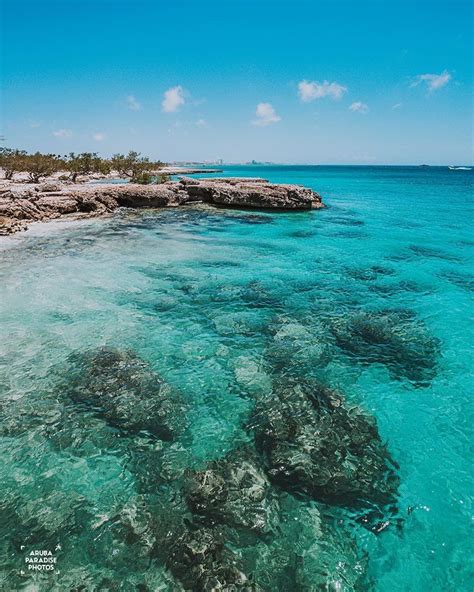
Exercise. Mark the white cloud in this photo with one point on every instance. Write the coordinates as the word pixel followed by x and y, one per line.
pixel 433 81
pixel 359 107
pixel 201 123
pixel 309 91
pixel 33 123
pixel 266 115
pixel 173 99
pixel 397 106
pixel 133 104
pixel 98 137
pixel 62 133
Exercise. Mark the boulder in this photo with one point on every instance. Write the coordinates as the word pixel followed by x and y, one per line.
pixel 50 186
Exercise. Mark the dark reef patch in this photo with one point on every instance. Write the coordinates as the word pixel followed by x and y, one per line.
pixel 348 234
pixel 394 337
pixel 233 491
pixel 220 263
pixel 346 221
pixel 197 556
pixel 458 278
pixel 256 295
pixel 367 274
pixel 396 288
pixel 423 251
pixel 313 444
pixel 302 233
pixel 121 388
pixel 400 257
pixel 202 562
pixel 253 218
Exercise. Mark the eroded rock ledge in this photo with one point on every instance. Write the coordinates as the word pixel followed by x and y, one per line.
pixel 21 204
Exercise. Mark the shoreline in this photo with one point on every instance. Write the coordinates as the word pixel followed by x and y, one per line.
pixel 22 204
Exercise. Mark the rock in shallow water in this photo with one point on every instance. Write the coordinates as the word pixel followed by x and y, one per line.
pixel 124 390
pixel 43 202
pixel 202 562
pixel 313 444
pixel 255 195
pixel 394 337
pixel 234 491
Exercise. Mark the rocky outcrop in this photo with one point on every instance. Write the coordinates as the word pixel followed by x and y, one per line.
pixel 250 193
pixel 23 203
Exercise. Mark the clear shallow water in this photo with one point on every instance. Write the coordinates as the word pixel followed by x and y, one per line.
pixel 220 304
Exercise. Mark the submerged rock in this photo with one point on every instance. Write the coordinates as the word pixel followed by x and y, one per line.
pixel 314 444
pixel 394 337
pixel 369 273
pixel 124 390
pixel 200 560
pixel 198 557
pixel 305 344
pixel 233 491
pixel 312 552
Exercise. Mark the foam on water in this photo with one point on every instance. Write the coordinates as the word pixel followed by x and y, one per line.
pixel 372 296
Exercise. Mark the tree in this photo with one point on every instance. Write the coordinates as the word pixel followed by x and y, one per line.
pixel 130 165
pixel 138 168
pixel 12 161
pixel 85 164
pixel 39 165
pixel 147 178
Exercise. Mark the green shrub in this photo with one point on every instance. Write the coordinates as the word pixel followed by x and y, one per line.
pixel 12 161
pixel 86 163
pixel 39 165
pixel 143 178
pixel 130 165
pixel 138 168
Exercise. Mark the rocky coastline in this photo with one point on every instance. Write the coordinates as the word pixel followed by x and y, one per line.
pixel 22 203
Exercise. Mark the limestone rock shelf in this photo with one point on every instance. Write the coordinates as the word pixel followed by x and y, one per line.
pixel 22 203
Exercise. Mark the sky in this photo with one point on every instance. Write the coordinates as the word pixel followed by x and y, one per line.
pixel 294 81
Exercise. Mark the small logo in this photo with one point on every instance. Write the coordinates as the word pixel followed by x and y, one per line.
pixel 40 560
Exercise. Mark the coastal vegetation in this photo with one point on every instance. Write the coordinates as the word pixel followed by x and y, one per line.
pixel 74 167
pixel 86 163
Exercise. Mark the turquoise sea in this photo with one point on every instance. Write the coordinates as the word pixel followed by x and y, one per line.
pixel 371 297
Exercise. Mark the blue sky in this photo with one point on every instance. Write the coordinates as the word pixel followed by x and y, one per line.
pixel 292 81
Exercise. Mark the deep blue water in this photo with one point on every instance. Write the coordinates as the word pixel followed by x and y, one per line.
pixel 373 296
